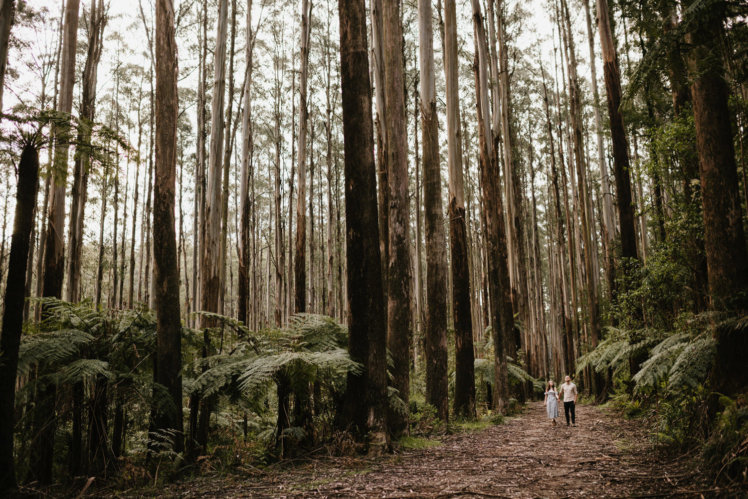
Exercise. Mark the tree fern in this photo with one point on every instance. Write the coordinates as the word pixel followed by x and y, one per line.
pixel 692 365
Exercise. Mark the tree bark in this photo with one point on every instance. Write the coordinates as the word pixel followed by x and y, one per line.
pixel 435 349
pixel 399 326
pixel 366 332
pixel 621 164
pixel 245 206
pixel 54 254
pixel 727 262
pixel 7 9
pixel 167 375
pixel 464 401
pixel 10 340
pixel 300 254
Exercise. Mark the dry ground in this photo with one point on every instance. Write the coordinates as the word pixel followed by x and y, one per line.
pixel 604 456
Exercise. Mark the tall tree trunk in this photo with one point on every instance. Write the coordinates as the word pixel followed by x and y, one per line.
pixel 300 253
pixel 366 331
pixel 436 245
pixel 399 326
pixel 54 254
pixel 167 375
pixel 726 259
pixel 245 251
pixel 7 9
pixel 464 401
pixel 380 120
pixel 609 225
pixel 502 317
pixel 210 268
pixel 10 337
pixel 621 164
pixel 229 136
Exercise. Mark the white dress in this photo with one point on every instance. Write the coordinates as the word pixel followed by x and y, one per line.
pixel 551 403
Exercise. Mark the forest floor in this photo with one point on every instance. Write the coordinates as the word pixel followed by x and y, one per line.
pixel 603 456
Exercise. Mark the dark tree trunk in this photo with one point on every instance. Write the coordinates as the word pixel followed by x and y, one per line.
pixel 167 376
pixel 10 341
pixel 621 165
pixel 45 422
pixel 367 338
pixel 464 401
pixel 436 245
pixel 399 326
pixel 727 262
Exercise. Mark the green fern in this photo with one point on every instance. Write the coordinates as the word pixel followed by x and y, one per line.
pixel 692 365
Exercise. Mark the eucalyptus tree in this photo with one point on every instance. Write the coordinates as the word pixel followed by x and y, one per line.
pixel 727 261
pixel 96 22
pixel 167 414
pixel 464 401
pixel 10 337
pixel 7 8
pixel 54 253
pixel 621 163
pixel 436 252
pixel 399 326
pixel 366 333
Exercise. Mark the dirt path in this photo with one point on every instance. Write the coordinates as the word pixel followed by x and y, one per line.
pixel 604 456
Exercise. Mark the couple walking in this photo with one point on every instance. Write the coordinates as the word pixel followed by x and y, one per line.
pixel 569 390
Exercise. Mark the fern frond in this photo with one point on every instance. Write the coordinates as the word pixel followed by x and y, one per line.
pixel 692 365
pixel 84 369
pixel 49 348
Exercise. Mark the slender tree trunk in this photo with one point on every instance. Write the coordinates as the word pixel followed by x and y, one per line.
pixel 300 253
pixel 399 327
pixel 502 317
pixel 7 10
pixel 45 422
pixel 245 251
pixel 10 338
pixel 366 331
pixel 621 165
pixel 380 120
pixel 210 269
pixel 464 401
pixel 167 375
pixel 436 246
pixel 609 225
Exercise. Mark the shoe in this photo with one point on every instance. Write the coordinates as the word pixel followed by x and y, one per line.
pixel 574 425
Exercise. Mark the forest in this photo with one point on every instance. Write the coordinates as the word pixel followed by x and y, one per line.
pixel 237 236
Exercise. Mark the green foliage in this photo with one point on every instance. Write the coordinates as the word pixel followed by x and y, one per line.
pixel 726 451
pixel 410 442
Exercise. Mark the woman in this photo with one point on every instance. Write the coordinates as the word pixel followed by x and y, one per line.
pixel 551 401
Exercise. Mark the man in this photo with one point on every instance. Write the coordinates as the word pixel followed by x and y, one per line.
pixel 569 390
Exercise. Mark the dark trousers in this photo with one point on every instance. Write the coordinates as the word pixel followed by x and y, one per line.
pixel 569 407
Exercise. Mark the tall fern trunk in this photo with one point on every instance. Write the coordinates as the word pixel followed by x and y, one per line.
pixel 99 453
pixel 10 337
pixel 118 428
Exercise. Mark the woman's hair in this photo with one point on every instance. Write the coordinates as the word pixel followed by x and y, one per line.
pixel 548 385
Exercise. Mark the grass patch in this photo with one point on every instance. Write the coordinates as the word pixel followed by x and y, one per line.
pixel 418 443
pixel 481 423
